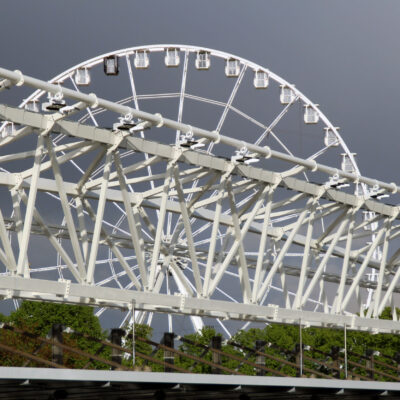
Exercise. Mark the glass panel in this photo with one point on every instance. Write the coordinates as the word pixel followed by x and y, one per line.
pixel 347 165
pixel 260 79
pixel 232 68
pixel 110 65
pixel 82 76
pixel 202 60
pixel 141 60
pixel 172 58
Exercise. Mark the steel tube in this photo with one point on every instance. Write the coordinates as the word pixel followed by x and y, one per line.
pixel 156 119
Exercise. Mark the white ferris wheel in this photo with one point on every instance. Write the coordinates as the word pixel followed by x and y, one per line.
pixel 218 200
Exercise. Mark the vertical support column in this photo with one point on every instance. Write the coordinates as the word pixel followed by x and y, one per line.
pixel 260 359
pixel 133 335
pixel 99 219
pixel 116 338
pixel 299 359
pixel 300 350
pixel 168 340
pixel 57 337
pixel 26 230
pixel 216 343
pixel 335 361
pixel 345 352
pixel 369 353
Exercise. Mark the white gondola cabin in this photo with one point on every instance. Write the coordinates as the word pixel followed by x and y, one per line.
pixel 260 80
pixel 310 115
pixel 347 165
pixel 330 138
pixel 82 77
pixel 32 105
pixel 8 130
pixel 203 61
pixel 172 57
pixel 232 68
pixel 141 59
pixel 287 95
pixel 110 65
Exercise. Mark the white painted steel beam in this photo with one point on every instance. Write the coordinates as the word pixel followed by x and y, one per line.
pixel 104 296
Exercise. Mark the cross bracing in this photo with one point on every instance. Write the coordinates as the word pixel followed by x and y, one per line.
pixel 290 247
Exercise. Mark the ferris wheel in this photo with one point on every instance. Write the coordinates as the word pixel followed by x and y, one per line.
pixel 176 213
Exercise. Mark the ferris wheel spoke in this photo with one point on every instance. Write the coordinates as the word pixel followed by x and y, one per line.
pixel 225 112
pixel 182 93
pixel 132 82
pixel 158 96
pixel 228 104
pixel 319 152
pixel 89 111
pixel 136 103
pixel 275 121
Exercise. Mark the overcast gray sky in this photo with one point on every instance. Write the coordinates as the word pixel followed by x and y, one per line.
pixel 343 55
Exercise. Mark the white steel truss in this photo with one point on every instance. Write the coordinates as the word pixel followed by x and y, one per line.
pixel 198 219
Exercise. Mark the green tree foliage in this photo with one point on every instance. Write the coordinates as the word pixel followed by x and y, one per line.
pixel 280 345
pixel 38 318
pixel 201 338
pixel 280 348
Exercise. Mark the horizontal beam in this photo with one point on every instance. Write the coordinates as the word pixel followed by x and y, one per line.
pixel 105 136
pixel 67 292
pixel 140 377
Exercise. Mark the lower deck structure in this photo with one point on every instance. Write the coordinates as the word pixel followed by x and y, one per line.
pixel 47 383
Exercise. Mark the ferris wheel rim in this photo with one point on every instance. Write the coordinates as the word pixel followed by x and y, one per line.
pixel 216 53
